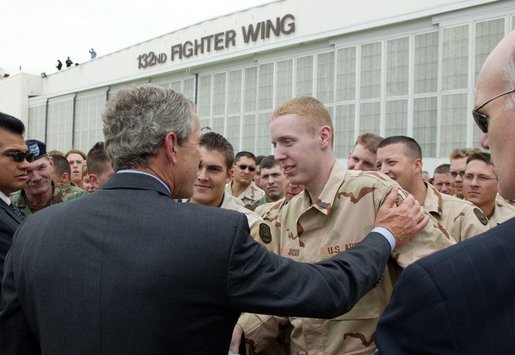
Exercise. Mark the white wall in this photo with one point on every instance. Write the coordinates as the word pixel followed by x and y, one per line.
pixel 15 92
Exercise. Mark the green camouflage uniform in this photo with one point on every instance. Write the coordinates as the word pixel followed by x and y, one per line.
pixel 60 193
pixel 309 232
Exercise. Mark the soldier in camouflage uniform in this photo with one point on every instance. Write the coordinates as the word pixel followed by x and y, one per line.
pixel 480 188
pixel 336 209
pixel 39 190
pixel 400 158
pixel 242 185
pixel 214 172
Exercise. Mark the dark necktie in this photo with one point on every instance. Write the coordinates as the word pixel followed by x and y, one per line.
pixel 17 211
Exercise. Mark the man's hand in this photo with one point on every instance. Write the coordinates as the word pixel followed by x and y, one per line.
pixel 236 339
pixel 404 218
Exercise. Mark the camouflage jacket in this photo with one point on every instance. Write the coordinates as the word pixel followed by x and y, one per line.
pixel 310 231
pixel 60 193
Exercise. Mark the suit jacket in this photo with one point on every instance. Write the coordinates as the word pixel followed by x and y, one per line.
pixel 460 300
pixel 9 222
pixel 127 270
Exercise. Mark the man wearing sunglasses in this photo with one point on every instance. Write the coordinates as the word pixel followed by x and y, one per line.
pixel 13 174
pixel 462 300
pixel 242 185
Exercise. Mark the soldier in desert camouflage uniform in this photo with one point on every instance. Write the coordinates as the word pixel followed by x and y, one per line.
pixel 400 158
pixel 242 185
pixel 336 209
pixel 480 188
pixel 39 190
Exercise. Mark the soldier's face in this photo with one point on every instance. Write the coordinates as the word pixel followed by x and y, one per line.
pixel 361 159
pixel 394 162
pixel 244 170
pixel 40 176
pixel 209 188
pixel 480 183
pixel 442 182
pixel 13 175
pixel 76 162
pixel 298 147
pixel 274 182
pixel 457 171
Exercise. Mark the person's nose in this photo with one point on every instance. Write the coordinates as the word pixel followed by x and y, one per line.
pixel 484 141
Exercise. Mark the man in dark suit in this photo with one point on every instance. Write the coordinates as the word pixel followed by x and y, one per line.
pixel 13 174
pixel 462 300
pixel 127 270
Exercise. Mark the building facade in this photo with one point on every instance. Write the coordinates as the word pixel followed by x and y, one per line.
pixel 402 67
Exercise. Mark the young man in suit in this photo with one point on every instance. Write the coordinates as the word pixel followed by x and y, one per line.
pixel 462 299
pixel 13 174
pixel 137 272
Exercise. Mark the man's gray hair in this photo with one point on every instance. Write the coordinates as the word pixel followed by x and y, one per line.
pixel 136 120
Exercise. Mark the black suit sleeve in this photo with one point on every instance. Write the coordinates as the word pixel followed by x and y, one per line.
pixel 262 282
pixel 416 319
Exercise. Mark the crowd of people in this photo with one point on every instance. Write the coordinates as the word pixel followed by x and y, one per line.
pixel 162 239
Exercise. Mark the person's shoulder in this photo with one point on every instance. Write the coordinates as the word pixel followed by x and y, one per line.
pixel 376 179
pixel 486 244
pixel 68 192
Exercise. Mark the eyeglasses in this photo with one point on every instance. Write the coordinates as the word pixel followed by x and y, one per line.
pixel 18 156
pixel 455 174
pixel 482 119
pixel 480 178
pixel 244 166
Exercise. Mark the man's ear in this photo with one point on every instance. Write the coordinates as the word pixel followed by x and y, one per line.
pixel 170 144
pixel 228 178
pixel 325 134
pixel 93 181
pixel 65 178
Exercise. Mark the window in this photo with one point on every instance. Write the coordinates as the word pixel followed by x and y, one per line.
pixel 346 74
pixel 455 66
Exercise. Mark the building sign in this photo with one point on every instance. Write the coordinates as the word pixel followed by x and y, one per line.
pixel 219 41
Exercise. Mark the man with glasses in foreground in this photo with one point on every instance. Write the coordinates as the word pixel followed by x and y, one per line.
pixel 14 160
pixel 462 300
pixel 242 185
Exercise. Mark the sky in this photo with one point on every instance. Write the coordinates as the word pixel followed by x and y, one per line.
pixel 34 34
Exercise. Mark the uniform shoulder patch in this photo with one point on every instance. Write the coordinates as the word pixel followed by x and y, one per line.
pixel 481 216
pixel 265 233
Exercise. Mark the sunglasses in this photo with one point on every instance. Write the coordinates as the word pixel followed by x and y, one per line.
pixel 482 119
pixel 243 167
pixel 20 156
